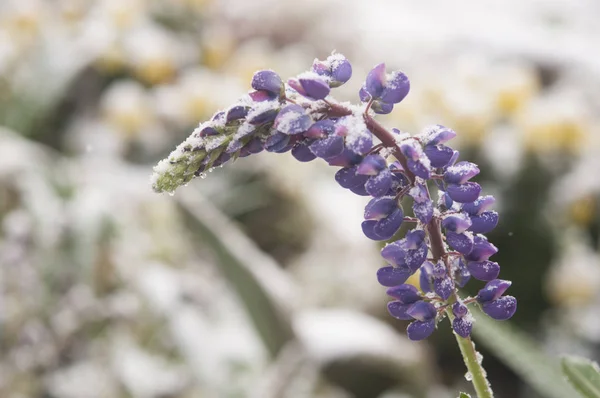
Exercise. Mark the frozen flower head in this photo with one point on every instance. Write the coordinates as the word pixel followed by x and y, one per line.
pixel 445 243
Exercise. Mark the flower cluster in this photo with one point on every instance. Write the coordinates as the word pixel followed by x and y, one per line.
pixel 446 245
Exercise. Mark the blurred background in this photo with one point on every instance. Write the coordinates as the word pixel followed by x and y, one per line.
pixel 257 281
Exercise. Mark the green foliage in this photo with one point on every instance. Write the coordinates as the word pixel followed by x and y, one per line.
pixel 583 374
pixel 523 355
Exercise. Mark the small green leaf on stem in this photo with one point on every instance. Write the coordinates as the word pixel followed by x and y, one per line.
pixel 583 374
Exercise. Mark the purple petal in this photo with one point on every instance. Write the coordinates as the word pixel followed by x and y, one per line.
pixel 484 223
pixel 482 204
pixel 380 184
pixel 303 153
pixel 419 169
pixel 462 326
pixel 445 202
pixel 393 276
pixel 422 311
pixel 482 249
pixel 255 145
pixel 396 88
pixel 320 129
pixel 414 238
pixel 234 146
pixel 461 273
pixel 405 294
pixel 360 190
pixel 443 287
pixel 387 227
pixel 423 211
pixel 379 208
pixel 261 96
pixel 371 165
pixel 262 116
pixel 363 94
pixel 267 80
pixel 314 87
pixel 425 277
pixel 418 330
pixel 458 222
pixel 236 112
pixel 382 108
pixel 501 309
pixel 375 81
pixel 437 134
pixel 459 309
pixel 493 290
pixel 411 149
pixel 276 142
pixel 368 228
pixel 464 193
pixel 398 310
pixel 341 71
pixel 462 243
pixel 328 147
pixel 345 159
pixel 348 178
pixel 321 68
pixel 208 131
pixel 460 173
pixel 295 84
pixel 419 193
pixel 438 155
pixel 292 119
pixel 483 270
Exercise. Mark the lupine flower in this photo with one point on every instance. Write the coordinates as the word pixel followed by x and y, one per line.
pixel 445 243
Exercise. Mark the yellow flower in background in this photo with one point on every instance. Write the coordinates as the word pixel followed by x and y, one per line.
pixel 22 19
pixel 250 57
pixel 555 124
pixel 218 45
pixel 127 107
pixel 583 211
pixel 515 87
pixel 123 13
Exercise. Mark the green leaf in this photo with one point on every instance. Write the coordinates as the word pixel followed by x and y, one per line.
pixel 523 355
pixel 583 374
pixel 464 395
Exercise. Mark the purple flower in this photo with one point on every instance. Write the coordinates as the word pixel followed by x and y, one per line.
pixel 463 321
pixel 482 249
pixel 462 243
pixel 393 276
pixel 458 222
pixel 483 270
pixel 310 85
pixel 302 152
pixel 267 80
pixel 424 314
pixel 460 173
pixel 349 178
pixel 463 193
pixel 379 208
pixel 406 296
pixel 411 251
pixel 390 89
pixel 292 119
pixel 336 67
pixel 501 309
pixel 371 165
pixel 484 223
pixel 384 228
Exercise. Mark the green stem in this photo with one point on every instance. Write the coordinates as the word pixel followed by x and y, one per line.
pixel 476 370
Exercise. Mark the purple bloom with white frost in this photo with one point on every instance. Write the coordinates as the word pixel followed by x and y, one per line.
pixel 444 243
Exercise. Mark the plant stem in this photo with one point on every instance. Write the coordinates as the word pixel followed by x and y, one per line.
pixel 478 374
pixel 438 250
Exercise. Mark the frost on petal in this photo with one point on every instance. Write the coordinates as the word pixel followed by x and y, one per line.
pixel 398 310
pixel 426 277
pixel 423 211
pixel 388 226
pixel 392 276
pixel 480 205
pixel 460 173
pixel 276 142
pixel 396 88
pixel 501 309
pixel 483 270
pixel 463 193
pixel 422 311
pixel 380 184
pixel 438 155
pixel 292 119
pixel 463 326
pixel 371 165
pixel 267 80
pixel 458 222
pixel 493 290
pixel 462 243
pixel 313 86
pixel 484 223
pixel 482 249
pixel 404 293
pixel 357 136
pixel 436 134
pixel 418 330
pixel 328 147
pixel 379 208
pixel 443 287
